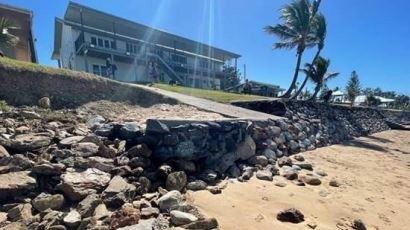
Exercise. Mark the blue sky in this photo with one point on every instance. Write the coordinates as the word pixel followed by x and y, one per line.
pixel 369 36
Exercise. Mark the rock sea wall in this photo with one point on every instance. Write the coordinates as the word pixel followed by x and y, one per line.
pixel 338 123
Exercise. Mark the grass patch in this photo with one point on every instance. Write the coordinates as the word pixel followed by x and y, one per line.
pixel 213 95
pixel 33 67
pixel 4 107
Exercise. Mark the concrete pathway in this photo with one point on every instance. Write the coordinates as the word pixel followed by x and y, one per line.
pixel 212 106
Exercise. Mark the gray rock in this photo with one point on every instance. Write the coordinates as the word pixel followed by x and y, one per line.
pixel 101 212
pixel 3 152
pixel 69 141
pixel 30 115
pixel 180 218
pixel 141 150
pixel 118 192
pixel 311 180
pixel 304 165
pixel 299 157
pixel 86 149
pixel 16 183
pixel 20 212
pixel 275 130
pixel 77 185
pixel 284 161
pixel 269 153
pixel 149 212
pixel 27 142
pixel 142 225
pixel 290 174
pixel 293 145
pixel 72 219
pixel 291 215
pixel 233 171
pixel 87 206
pixel 334 183
pixel 156 127
pixel 47 201
pixel 196 185
pixel 185 150
pixel 176 181
pixel 204 224
pixel 170 199
pixel 130 130
pixel 264 175
pixel 246 149
pixel 48 169
pixel 105 130
pixel 95 121
pixel 226 161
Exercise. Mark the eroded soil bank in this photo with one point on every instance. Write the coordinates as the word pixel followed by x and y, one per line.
pixel 374 173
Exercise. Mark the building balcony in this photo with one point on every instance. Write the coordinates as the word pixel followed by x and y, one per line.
pixel 92 50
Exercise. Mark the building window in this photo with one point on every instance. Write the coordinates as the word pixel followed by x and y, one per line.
pixel 100 70
pixel 203 64
pixel 107 44
pixel 205 74
pixel 94 41
pixel 179 59
pixel 113 45
pixel 100 42
pixel 132 48
pixel 96 70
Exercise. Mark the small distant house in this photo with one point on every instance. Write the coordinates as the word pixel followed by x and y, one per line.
pixel 362 100
pixel 257 88
pixel 22 20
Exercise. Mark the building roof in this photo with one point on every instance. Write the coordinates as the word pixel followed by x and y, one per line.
pixel 338 93
pixel 384 100
pixel 99 20
pixel 17 9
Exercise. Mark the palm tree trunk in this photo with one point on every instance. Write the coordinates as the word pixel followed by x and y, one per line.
pixel 307 77
pixel 301 88
pixel 317 89
pixel 295 76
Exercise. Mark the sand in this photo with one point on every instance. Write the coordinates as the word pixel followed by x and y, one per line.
pixel 375 175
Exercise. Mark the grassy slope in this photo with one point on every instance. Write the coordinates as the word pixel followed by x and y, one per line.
pixel 214 95
pixel 21 65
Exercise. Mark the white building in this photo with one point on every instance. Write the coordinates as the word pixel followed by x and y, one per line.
pixel 86 38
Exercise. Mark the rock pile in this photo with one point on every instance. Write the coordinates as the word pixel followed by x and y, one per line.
pixel 76 171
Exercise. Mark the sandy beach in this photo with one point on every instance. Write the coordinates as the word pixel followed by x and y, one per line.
pixel 374 173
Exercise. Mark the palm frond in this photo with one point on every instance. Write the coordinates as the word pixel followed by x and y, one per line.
pixel 281 31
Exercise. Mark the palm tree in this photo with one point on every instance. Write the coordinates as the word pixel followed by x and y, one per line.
pixel 295 31
pixel 6 39
pixel 320 31
pixel 318 74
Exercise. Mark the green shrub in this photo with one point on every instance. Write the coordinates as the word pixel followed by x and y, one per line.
pixel 4 107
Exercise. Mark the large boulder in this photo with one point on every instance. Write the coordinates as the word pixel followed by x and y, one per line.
pixel 118 192
pixel 47 201
pixel 15 184
pixel 87 206
pixel 130 130
pixel 176 181
pixel 72 219
pixel 169 200
pixel 27 142
pixel 77 185
pixel 180 218
pixel 3 152
pixel 246 149
pixel 125 216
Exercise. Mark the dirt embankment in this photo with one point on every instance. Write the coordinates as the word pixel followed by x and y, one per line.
pixel 374 173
